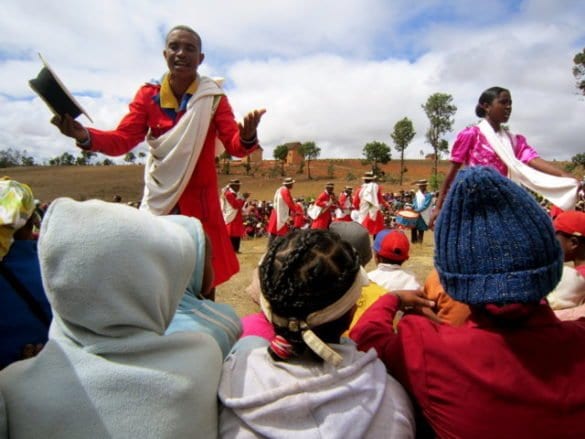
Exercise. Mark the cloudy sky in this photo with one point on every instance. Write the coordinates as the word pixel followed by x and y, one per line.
pixel 340 73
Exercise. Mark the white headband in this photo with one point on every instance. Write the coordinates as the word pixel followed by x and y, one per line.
pixel 317 318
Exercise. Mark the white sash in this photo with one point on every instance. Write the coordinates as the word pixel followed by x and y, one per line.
pixel 282 211
pixel 173 156
pixel 369 204
pixel 560 191
pixel 228 211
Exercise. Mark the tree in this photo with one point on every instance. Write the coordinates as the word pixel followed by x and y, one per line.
pixel 579 70
pixel 309 151
pixel 225 159
pixel 130 157
pixel 10 158
pixel 439 109
pixel 402 135
pixel 280 153
pixel 107 162
pixel 65 159
pixel 377 152
pixel 84 157
pixel 579 159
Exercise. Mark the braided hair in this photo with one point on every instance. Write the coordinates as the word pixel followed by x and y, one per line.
pixel 304 272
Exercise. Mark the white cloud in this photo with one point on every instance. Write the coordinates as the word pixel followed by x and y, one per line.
pixel 340 73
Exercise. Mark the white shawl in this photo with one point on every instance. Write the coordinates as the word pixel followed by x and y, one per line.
pixel 173 156
pixel 561 191
pixel 369 204
pixel 282 210
pixel 227 210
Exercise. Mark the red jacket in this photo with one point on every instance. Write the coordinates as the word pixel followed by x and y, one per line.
pixel 284 192
pixel 236 227
pixel 200 198
pixel 324 218
pixel 372 225
pixel 511 372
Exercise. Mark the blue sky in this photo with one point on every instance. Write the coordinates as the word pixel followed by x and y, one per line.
pixel 340 73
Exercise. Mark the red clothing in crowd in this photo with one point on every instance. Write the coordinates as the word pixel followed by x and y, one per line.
pixel 236 226
pixel 325 202
pixel 300 219
pixel 346 205
pixel 199 198
pixel 376 224
pixel 509 372
pixel 284 193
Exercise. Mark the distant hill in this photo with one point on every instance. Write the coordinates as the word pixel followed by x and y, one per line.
pixel 103 182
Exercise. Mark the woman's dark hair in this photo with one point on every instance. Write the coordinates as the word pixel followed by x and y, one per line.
pixel 487 97
pixel 304 272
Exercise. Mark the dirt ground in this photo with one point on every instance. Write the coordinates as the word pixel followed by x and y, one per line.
pixel 233 292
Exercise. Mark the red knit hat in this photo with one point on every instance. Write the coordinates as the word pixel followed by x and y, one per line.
pixel 571 222
pixel 392 245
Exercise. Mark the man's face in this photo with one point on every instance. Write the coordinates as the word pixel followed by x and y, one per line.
pixel 183 54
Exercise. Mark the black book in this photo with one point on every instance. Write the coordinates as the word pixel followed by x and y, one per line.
pixel 51 90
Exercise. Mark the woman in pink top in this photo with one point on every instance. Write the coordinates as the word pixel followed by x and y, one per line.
pixel 471 148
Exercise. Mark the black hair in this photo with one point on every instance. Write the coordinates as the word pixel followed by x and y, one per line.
pixel 304 272
pixel 487 97
pixel 186 29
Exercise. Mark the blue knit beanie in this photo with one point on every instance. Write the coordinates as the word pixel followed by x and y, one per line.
pixel 494 243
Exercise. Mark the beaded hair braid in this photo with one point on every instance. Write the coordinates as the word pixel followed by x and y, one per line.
pixel 304 272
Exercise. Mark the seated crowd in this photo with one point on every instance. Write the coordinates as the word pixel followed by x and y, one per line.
pixel 110 328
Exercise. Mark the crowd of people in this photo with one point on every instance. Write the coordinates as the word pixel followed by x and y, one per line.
pixel 110 327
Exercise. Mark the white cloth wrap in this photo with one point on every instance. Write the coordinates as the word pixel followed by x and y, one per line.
pixel 173 156
pixel 560 191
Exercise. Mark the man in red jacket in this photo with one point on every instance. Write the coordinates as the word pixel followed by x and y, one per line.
pixel 181 117
pixel 513 369
pixel 283 211
pixel 327 203
pixel 232 203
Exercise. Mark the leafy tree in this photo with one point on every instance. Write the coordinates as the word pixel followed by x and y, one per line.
pixel 309 151
pixel 280 153
pixel 330 169
pixel 377 152
pixel 11 157
pixel 225 159
pixel 107 162
pixel 579 159
pixel 84 157
pixel 579 70
pixel 130 157
pixel 439 109
pixel 402 135
pixel 65 159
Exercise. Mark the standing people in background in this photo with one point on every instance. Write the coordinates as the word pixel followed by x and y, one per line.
pixel 368 202
pixel 300 220
pixel 232 203
pixel 25 313
pixel 181 117
pixel 327 202
pixel 490 144
pixel 345 204
pixel 283 210
pixel 422 204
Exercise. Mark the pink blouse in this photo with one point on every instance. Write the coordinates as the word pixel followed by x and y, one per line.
pixel 471 148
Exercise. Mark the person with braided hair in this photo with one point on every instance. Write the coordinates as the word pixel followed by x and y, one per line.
pixel 308 379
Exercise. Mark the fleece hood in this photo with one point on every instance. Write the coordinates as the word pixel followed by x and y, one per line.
pixel 131 266
pixel 291 395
